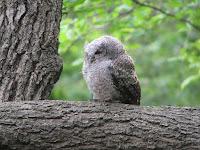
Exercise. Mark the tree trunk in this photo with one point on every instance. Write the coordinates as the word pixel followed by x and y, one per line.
pixel 89 125
pixel 29 62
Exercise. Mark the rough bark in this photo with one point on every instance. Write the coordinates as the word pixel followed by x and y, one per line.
pixel 29 62
pixel 92 125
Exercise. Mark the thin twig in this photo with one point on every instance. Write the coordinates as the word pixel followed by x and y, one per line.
pixel 166 13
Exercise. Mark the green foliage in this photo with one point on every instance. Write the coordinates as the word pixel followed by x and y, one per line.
pixel 163 37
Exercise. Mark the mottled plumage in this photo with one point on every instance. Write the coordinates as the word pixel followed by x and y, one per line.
pixel 109 71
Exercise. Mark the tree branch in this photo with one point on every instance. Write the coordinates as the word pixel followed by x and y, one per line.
pixel 57 124
pixel 168 14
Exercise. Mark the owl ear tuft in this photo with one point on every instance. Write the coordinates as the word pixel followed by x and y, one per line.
pixel 86 44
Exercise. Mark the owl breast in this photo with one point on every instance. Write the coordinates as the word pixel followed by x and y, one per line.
pixel 98 80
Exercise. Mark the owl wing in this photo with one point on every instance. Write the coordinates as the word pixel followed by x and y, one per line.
pixel 125 80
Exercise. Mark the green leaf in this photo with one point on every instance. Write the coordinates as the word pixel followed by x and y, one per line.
pixel 176 3
pixel 127 30
pixel 189 80
pixel 68 3
pixel 77 62
pixel 157 19
pixel 183 52
pixel 128 2
pixel 78 2
pixel 83 10
pixel 177 58
pixel 133 46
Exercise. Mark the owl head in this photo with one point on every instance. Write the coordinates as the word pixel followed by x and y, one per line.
pixel 103 48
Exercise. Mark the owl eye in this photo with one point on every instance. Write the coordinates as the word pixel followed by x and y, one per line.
pixel 98 52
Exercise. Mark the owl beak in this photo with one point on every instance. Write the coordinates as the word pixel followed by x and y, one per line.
pixel 91 59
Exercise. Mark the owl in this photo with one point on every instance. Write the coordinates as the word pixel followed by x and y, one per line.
pixel 109 72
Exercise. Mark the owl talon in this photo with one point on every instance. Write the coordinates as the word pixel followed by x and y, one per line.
pixel 98 100
pixel 105 100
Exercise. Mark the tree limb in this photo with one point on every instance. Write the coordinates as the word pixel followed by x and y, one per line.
pixel 91 125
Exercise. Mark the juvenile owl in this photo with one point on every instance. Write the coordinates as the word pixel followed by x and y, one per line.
pixel 109 72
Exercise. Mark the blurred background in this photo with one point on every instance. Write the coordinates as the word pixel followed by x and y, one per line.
pixel 162 37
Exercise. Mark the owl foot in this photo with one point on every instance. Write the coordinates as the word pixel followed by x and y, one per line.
pixel 97 100
pixel 105 100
